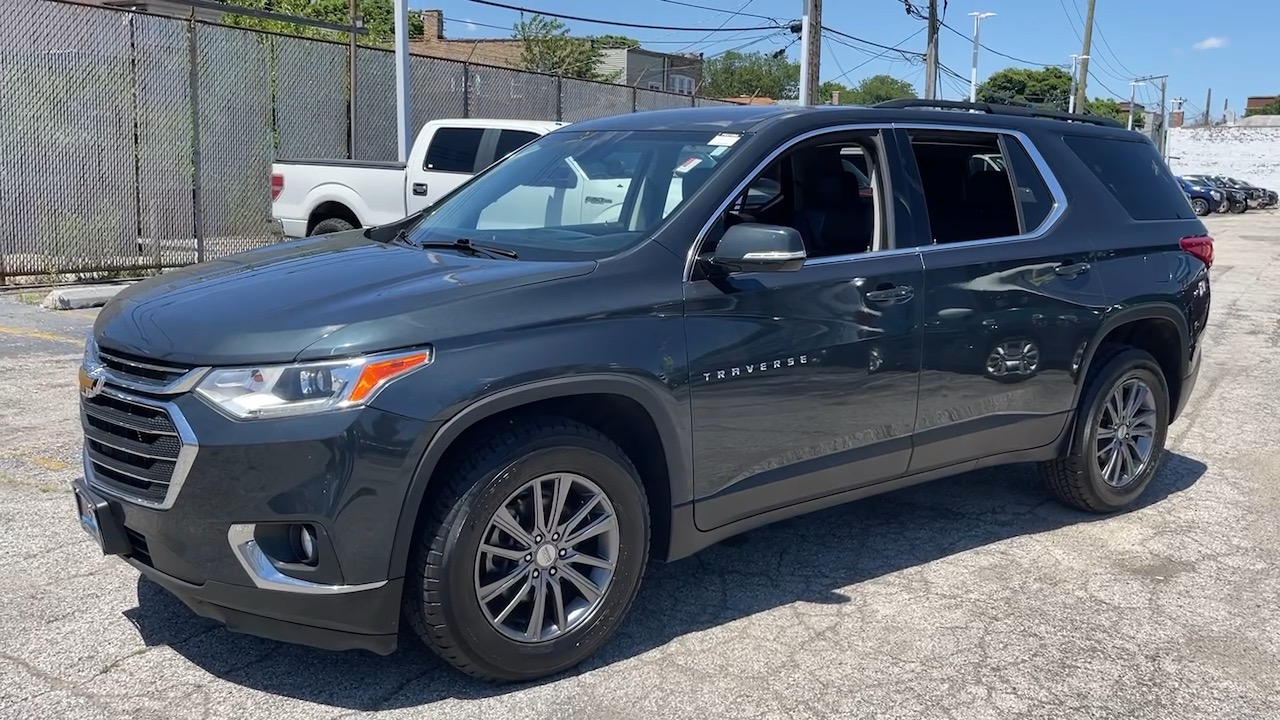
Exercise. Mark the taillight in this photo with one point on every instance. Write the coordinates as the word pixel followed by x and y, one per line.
pixel 1201 246
pixel 277 185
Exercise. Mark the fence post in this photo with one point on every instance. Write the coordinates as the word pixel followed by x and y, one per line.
pixel 466 90
pixel 634 94
pixel 559 98
pixel 193 79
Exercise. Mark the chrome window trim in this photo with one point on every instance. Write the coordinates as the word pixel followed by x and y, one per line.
pixel 181 465
pixel 1042 166
pixel 265 575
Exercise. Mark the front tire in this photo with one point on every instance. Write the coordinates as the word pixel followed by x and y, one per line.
pixel 1200 206
pixel 330 226
pixel 532 553
pixel 1239 207
pixel 1119 434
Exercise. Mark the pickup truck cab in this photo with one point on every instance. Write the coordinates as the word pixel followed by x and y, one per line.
pixel 482 423
pixel 313 197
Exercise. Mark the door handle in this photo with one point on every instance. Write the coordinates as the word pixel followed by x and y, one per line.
pixel 895 293
pixel 419 188
pixel 1071 270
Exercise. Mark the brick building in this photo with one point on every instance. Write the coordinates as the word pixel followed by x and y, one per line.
pixel 502 52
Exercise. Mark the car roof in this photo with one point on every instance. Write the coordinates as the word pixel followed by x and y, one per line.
pixel 742 119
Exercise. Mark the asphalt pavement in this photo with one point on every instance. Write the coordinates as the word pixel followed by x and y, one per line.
pixel 972 597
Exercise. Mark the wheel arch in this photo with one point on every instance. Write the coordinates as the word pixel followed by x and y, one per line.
pixel 1159 328
pixel 628 410
pixel 329 209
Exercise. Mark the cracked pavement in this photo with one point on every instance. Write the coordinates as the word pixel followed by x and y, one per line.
pixel 971 597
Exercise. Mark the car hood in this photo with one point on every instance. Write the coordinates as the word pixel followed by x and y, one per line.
pixel 329 296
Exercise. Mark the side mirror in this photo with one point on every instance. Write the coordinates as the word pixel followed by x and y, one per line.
pixel 752 247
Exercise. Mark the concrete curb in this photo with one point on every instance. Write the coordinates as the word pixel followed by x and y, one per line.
pixel 78 298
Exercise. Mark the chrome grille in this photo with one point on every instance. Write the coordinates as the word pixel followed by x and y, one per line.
pixel 141 373
pixel 135 447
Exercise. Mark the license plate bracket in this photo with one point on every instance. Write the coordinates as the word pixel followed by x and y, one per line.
pixel 97 519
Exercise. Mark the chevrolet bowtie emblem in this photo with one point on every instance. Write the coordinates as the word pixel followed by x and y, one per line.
pixel 91 381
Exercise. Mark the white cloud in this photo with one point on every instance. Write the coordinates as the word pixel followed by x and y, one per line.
pixel 1212 42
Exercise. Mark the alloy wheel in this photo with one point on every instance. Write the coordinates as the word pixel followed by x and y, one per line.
pixel 1126 433
pixel 547 558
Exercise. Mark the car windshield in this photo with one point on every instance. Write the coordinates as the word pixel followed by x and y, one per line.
pixel 578 195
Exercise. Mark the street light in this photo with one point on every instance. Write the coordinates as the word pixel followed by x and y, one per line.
pixel 973 71
pixel 1071 101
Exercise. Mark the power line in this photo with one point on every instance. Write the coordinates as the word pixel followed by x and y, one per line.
pixel 1114 94
pixel 721 25
pixel 873 58
pixel 737 13
pixel 846 35
pixel 1106 66
pixel 997 52
pixel 616 23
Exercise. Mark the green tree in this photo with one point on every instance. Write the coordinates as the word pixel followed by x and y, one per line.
pixel 549 48
pixel 829 88
pixel 378 16
pixel 735 74
pixel 1106 107
pixel 605 42
pixel 878 89
pixel 1048 87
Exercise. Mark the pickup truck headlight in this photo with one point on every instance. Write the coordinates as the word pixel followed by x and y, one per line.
pixel 265 391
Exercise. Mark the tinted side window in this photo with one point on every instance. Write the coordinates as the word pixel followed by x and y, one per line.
pixel 510 141
pixel 454 150
pixel 1035 202
pixel 1134 174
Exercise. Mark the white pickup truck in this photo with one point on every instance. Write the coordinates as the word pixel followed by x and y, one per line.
pixel 311 197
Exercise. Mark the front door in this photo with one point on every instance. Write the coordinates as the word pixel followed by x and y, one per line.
pixel 804 383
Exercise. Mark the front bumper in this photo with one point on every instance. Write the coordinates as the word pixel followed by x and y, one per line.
pixel 345 474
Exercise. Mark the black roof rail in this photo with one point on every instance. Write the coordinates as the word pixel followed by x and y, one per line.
pixel 997 109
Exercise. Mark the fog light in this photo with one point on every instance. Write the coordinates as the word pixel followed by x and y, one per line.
pixel 304 543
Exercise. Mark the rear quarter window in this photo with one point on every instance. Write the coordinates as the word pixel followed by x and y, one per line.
pixel 1135 175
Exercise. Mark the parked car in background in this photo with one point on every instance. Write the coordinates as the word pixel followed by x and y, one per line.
pixel 314 197
pixel 1258 197
pixel 1237 201
pixel 1204 199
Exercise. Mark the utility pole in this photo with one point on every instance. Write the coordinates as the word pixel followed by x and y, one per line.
pixel 1084 56
pixel 351 86
pixel 811 51
pixel 973 69
pixel 402 79
pixel 1208 100
pixel 931 55
pixel 1071 95
pixel 1133 89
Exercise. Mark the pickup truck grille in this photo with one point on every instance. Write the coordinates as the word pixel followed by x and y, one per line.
pixel 143 374
pixel 133 447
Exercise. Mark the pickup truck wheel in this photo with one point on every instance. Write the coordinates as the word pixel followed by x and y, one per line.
pixel 1200 206
pixel 532 554
pixel 1119 434
pixel 331 225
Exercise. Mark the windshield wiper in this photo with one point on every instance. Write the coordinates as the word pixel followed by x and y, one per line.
pixel 466 245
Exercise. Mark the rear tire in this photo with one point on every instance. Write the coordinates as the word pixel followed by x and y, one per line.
pixel 1119 435
pixel 467 549
pixel 331 225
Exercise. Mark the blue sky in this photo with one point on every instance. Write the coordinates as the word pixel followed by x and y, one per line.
pixel 1227 46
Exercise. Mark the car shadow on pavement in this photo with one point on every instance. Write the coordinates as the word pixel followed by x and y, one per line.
pixel 818 558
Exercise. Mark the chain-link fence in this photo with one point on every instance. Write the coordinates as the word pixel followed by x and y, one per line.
pixel 132 142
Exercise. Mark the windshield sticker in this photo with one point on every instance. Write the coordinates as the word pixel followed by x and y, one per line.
pixel 725 139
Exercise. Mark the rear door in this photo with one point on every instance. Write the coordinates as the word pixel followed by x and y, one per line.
pixel 1009 303
pixel 803 384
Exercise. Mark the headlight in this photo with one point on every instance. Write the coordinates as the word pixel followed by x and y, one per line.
pixel 307 388
pixel 1217 195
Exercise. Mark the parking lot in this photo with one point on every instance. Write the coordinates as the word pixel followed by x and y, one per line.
pixel 972 597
